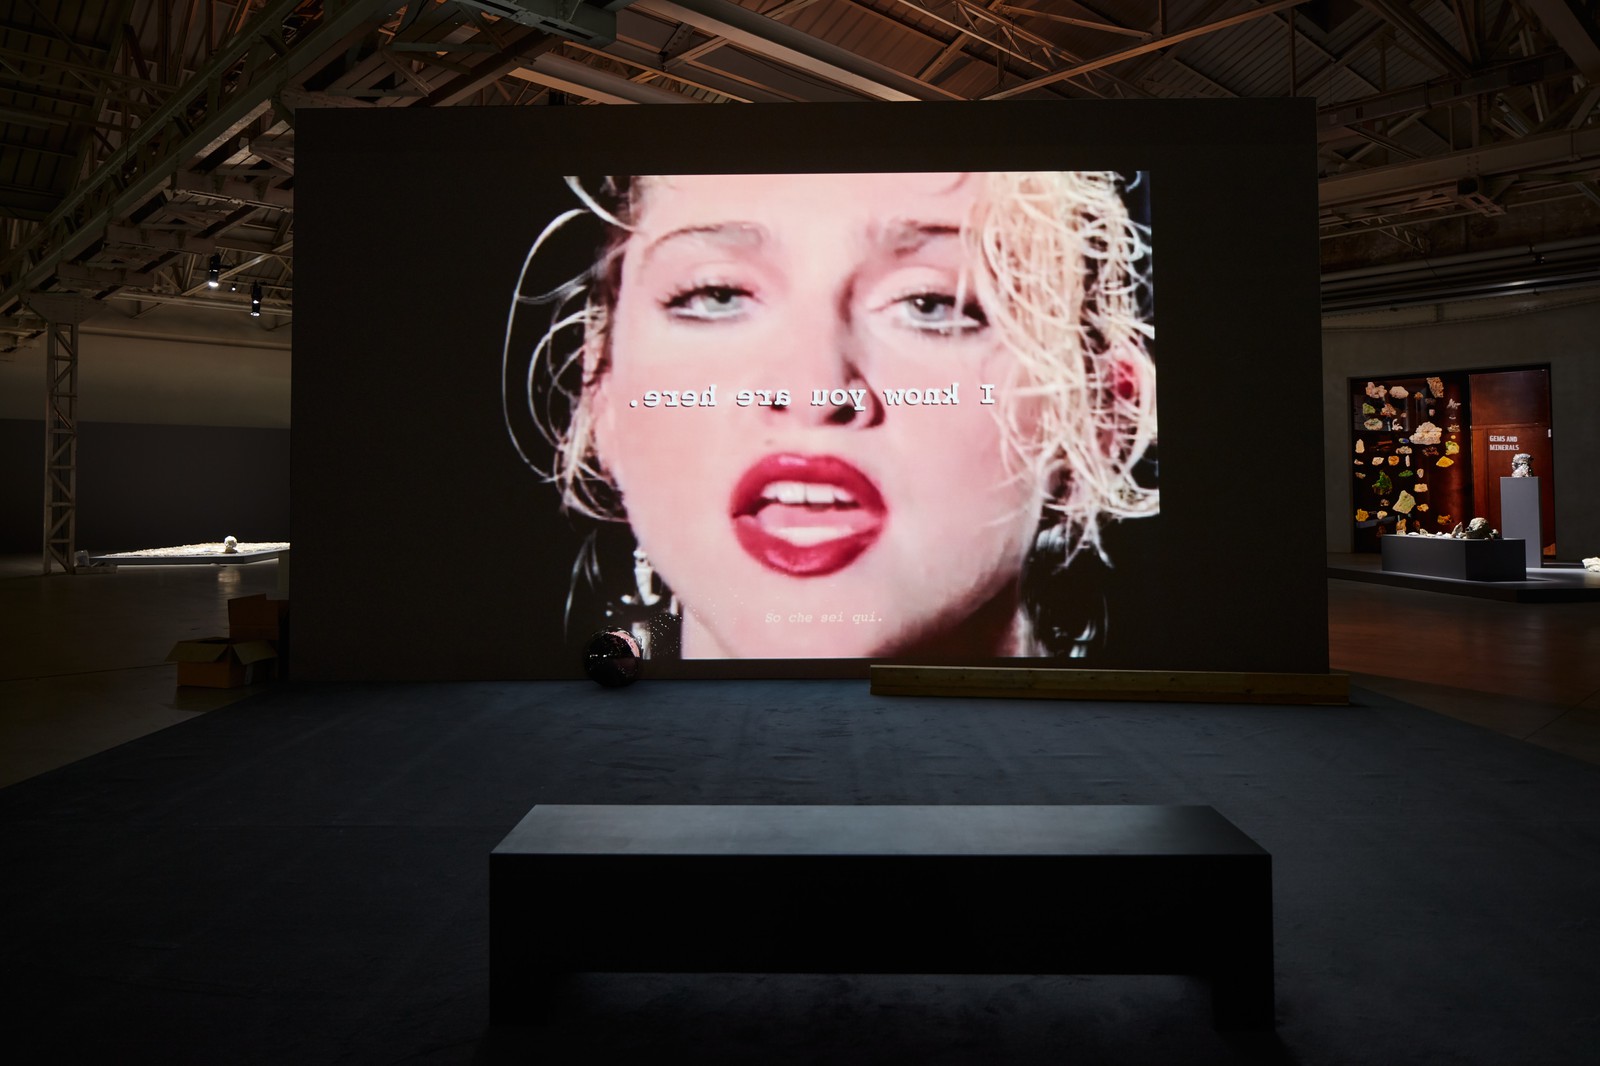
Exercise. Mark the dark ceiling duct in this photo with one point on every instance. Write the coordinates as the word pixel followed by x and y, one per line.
pixel 590 22
pixel 1522 269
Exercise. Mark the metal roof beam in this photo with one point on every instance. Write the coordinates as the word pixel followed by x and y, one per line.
pixel 697 76
pixel 1087 24
pixel 515 53
pixel 284 310
pixel 234 190
pixel 1155 44
pixel 7 26
pixel 580 79
pixel 773 40
pixel 1016 36
pixel 154 151
pixel 77 276
pixel 1573 31
pixel 1568 149
pixel 767 76
pixel 1400 13
pixel 181 240
pixel 1439 92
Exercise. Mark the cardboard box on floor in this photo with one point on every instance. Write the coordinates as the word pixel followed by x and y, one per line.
pixel 217 662
pixel 257 618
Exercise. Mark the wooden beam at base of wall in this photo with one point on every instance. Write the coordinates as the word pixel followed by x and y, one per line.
pixel 1179 686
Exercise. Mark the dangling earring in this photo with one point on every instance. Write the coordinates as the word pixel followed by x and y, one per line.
pixel 644 582
pixel 1086 640
pixel 1051 541
pixel 648 610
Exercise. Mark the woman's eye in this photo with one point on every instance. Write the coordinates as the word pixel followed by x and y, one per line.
pixel 936 312
pixel 708 303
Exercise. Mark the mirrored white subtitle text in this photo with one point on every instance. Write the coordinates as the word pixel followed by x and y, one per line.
pixel 935 396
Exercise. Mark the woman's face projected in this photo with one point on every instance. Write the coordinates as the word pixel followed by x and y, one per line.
pixel 864 525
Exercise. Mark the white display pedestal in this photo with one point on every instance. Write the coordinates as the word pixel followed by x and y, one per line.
pixel 1519 516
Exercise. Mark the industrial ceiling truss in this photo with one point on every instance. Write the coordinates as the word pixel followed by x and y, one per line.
pixel 147 148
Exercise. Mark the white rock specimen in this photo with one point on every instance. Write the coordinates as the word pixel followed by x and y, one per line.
pixel 1427 433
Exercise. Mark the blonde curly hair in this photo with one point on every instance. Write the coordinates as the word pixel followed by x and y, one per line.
pixel 1062 284
pixel 1061 271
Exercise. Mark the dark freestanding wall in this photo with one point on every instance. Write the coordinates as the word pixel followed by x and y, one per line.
pixel 400 447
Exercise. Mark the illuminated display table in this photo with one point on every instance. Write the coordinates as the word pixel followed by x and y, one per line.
pixel 1464 560
pixel 881 889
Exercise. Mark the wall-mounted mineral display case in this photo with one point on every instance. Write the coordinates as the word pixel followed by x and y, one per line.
pixel 1410 470
pixel 1427 450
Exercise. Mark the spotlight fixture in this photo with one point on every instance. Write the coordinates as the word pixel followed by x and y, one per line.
pixel 255 300
pixel 214 274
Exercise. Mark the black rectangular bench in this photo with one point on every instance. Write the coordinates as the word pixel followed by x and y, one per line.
pixel 881 889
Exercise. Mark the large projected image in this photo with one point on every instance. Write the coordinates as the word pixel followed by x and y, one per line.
pixel 837 416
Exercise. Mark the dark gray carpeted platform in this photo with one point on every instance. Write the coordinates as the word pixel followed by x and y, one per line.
pixel 302 877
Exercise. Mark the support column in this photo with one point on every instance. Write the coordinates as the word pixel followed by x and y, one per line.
pixel 61 445
pixel 62 312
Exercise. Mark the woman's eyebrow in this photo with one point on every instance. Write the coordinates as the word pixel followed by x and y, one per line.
pixel 719 234
pixel 905 236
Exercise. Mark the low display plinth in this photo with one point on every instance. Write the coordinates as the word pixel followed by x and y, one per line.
pixel 881 889
pixel 1464 560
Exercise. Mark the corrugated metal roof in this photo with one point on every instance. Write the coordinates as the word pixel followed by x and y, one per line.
pixel 1443 19
pixel 58 121
pixel 51 84
pixel 1172 80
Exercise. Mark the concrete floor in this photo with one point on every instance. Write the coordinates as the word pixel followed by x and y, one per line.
pixel 82 657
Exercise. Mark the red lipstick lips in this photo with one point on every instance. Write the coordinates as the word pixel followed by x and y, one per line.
pixel 806 515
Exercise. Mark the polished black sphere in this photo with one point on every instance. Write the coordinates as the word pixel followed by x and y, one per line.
pixel 613 658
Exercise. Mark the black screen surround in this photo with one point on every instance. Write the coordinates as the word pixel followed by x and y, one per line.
pixel 414 229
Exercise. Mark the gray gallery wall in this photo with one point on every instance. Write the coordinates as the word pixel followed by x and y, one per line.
pixel 146 486
pixel 183 431
pixel 1561 330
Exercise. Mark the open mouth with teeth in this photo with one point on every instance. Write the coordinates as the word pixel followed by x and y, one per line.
pixel 806 515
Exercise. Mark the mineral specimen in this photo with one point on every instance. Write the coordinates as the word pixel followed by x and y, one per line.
pixel 1427 433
